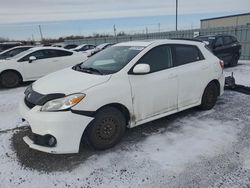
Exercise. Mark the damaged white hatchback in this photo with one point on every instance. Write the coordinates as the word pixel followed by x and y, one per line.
pixel 121 87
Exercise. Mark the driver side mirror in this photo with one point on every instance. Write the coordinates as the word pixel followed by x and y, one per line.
pixel 141 69
pixel 32 58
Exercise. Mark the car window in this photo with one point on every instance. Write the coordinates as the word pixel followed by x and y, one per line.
pixel 84 48
pixel 218 42
pixel 40 54
pixel 234 39
pixel 228 40
pixel 159 58
pixel 70 46
pixel 187 54
pixel 91 47
pixel 59 53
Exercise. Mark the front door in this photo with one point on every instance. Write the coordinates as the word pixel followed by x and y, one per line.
pixel 156 92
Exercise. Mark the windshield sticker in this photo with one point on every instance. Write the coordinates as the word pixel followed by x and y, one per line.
pixel 136 48
pixel 211 38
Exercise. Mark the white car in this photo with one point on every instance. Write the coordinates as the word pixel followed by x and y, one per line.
pixel 99 48
pixel 121 87
pixel 84 47
pixel 35 63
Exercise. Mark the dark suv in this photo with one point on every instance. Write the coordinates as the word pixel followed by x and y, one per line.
pixel 225 47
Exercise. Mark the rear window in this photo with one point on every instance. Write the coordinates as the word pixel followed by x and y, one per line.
pixel 228 40
pixel 185 54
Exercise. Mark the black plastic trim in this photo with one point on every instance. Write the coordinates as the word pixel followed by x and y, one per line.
pixel 84 113
pixel 33 98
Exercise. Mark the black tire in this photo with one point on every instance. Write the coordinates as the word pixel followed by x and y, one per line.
pixel 107 129
pixel 234 60
pixel 209 97
pixel 10 79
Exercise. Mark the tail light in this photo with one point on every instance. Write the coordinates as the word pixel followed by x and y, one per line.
pixel 221 64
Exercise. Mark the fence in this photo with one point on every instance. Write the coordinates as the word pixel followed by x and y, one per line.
pixel 241 32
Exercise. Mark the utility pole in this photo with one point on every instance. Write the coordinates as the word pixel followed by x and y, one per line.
pixel 114 30
pixel 159 27
pixel 176 15
pixel 41 33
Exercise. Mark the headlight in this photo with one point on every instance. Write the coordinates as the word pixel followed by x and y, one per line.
pixel 62 103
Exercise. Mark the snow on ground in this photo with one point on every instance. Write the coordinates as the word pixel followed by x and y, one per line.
pixel 189 149
pixel 9 101
pixel 163 154
pixel 241 73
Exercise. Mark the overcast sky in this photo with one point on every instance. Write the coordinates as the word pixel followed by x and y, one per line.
pixel 35 11
pixel 13 11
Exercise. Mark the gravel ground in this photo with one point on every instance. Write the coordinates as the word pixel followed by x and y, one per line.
pixel 188 149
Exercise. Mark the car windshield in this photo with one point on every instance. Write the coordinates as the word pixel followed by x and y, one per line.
pixel 21 54
pixel 109 61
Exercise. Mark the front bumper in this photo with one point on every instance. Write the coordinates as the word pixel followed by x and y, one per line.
pixel 65 126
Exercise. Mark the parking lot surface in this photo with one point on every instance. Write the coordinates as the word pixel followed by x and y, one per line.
pixel 189 149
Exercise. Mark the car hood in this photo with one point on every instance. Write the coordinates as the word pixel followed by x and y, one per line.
pixel 68 81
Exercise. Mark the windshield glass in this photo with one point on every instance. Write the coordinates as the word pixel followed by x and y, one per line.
pixel 21 54
pixel 111 60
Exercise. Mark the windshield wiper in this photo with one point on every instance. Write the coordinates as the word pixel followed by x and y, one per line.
pixel 91 70
pixel 86 69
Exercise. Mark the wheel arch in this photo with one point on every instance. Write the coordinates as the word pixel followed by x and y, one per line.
pixel 217 83
pixel 12 70
pixel 122 108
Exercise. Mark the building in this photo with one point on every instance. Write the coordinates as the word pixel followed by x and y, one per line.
pixel 226 21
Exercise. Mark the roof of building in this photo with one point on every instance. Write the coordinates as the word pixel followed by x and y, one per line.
pixel 236 15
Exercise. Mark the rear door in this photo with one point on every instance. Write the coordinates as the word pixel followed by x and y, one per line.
pixel 156 92
pixel 47 61
pixel 193 71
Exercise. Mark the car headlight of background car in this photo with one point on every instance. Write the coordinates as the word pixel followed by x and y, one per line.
pixel 64 103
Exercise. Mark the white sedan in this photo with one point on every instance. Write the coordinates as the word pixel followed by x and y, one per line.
pixel 35 63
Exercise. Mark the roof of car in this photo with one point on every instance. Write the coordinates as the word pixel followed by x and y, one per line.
pixel 161 41
pixel 48 48
pixel 217 35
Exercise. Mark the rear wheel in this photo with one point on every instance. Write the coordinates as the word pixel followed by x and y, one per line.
pixel 107 129
pixel 209 97
pixel 10 79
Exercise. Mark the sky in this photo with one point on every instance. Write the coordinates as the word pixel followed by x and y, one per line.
pixel 19 19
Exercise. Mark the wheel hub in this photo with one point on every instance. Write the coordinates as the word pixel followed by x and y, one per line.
pixel 107 129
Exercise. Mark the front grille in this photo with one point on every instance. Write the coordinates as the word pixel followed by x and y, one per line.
pixel 29 104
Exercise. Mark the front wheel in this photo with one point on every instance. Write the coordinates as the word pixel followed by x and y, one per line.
pixel 10 79
pixel 209 97
pixel 107 129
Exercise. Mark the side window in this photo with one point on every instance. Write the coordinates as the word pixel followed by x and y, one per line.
pixel 61 53
pixel 228 40
pixel 84 48
pixel 38 54
pixel 91 47
pixel 218 42
pixel 159 58
pixel 187 54
pixel 234 39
